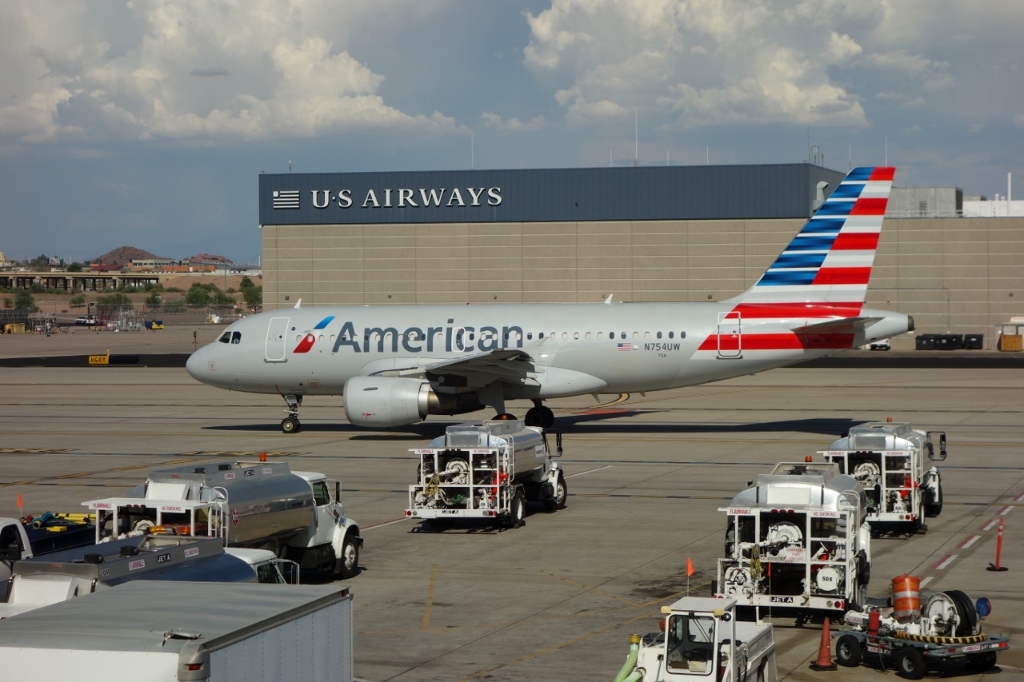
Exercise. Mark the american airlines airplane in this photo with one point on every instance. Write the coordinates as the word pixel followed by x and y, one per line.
pixel 397 364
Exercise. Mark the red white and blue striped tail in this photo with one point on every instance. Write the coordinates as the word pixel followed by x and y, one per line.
pixel 829 261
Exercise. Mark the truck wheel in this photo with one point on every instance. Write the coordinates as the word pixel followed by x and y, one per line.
pixel 910 664
pixel 349 557
pixel 982 662
pixel 933 506
pixel 849 651
pixel 557 500
pixel 517 513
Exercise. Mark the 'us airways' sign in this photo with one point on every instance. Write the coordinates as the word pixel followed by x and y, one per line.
pixel 402 197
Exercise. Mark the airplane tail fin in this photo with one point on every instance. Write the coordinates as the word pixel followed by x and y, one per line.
pixel 829 261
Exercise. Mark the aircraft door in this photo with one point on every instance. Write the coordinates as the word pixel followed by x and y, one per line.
pixel 275 348
pixel 730 335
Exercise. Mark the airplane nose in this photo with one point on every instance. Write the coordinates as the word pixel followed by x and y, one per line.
pixel 196 365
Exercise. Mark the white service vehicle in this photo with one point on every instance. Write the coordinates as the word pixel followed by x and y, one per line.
pixel 487 470
pixel 77 572
pixel 165 631
pixel 888 458
pixel 918 631
pixel 701 639
pixel 797 538
pixel 298 515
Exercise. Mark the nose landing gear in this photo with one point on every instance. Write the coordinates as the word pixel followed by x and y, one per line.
pixel 290 424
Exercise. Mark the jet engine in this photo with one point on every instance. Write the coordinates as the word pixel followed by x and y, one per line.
pixel 379 402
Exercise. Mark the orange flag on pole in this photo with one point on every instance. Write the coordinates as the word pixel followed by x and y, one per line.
pixel 689 567
pixel 19 500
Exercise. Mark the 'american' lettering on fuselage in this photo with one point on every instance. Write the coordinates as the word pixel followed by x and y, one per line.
pixel 462 339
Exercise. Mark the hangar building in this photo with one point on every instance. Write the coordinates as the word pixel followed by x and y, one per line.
pixel 670 233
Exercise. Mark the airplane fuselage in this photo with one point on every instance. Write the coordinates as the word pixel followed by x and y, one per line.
pixel 575 348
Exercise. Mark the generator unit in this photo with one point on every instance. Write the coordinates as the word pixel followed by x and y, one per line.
pixel 797 538
pixel 888 458
pixel 487 470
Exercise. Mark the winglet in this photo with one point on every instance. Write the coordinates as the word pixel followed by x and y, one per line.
pixel 608 301
pixel 298 303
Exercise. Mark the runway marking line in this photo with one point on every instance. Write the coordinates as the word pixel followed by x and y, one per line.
pixel 990 525
pixel 946 561
pixel 383 523
pixel 1006 510
pixel 430 599
pixel 580 473
pixel 969 541
pixel 925 581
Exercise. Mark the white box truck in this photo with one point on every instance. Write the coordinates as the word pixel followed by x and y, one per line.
pixel 164 631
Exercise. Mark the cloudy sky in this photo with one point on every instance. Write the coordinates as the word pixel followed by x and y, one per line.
pixel 146 122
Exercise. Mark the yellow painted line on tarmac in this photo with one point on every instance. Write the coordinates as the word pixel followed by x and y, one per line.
pixel 589 589
pixel 430 600
pixel 623 397
pixel 78 475
pixel 16 483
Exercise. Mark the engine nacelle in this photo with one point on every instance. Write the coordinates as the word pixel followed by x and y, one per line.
pixel 394 401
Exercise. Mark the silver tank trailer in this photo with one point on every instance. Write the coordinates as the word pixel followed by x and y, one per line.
pixel 266 501
pixel 528 444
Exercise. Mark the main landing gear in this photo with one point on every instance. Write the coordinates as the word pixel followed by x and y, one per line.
pixel 290 424
pixel 536 416
pixel 539 415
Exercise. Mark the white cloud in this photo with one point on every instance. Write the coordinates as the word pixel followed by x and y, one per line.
pixel 705 61
pixel 492 120
pixel 189 69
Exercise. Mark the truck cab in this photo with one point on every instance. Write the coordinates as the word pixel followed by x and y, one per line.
pixel 35 536
pixel 700 638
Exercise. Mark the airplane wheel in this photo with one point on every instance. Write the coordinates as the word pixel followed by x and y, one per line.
pixel 290 425
pixel 540 416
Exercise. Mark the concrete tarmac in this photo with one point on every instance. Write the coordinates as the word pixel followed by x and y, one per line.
pixel 558 598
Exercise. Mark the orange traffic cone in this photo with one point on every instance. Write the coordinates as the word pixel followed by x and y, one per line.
pixel 824 661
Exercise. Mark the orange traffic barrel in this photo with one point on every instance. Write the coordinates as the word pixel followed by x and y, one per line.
pixel 906 597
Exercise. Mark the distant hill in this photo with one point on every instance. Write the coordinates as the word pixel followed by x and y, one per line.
pixel 206 258
pixel 123 255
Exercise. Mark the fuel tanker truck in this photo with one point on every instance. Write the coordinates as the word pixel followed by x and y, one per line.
pixel 487 470
pixel 797 538
pixel 296 514
pixel 919 631
pixel 888 458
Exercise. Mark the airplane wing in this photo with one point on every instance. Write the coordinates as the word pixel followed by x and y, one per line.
pixel 846 325
pixel 480 368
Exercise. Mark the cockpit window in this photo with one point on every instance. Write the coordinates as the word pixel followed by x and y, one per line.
pixel 225 337
pixel 236 337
